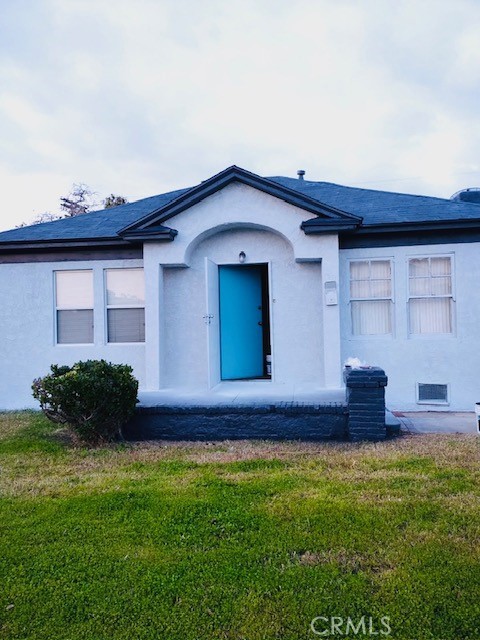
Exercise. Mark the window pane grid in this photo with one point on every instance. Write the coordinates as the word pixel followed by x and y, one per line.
pixel 430 300
pixel 371 297
pixel 370 279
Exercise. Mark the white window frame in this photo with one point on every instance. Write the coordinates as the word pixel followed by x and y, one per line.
pixel 107 306
pixel 452 296
pixel 391 298
pixel 79 308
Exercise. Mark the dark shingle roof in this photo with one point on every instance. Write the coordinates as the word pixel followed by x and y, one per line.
pixel 375 207
pixel 96 224
pixel 383 207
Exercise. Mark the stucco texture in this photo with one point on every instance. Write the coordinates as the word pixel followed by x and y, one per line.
pixel 295 308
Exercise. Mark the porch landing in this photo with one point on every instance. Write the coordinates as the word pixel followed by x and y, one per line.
pixel 243 393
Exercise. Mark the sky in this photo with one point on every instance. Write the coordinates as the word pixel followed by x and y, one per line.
pixel 140 97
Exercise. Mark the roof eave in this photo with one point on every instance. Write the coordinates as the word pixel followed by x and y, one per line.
pixel 419 226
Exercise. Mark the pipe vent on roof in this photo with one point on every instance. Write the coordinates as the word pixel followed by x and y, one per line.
pixel 300 174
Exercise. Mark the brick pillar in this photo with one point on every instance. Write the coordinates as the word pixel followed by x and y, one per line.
pixel 366 403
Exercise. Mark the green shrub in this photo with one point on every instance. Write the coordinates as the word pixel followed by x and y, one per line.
pixel 94 398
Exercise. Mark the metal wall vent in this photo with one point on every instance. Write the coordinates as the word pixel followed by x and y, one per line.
pixel 432 393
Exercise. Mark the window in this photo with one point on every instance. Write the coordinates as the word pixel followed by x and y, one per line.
pixel 74 306
pixel 371 297
pixel 430 302
pixel 125 294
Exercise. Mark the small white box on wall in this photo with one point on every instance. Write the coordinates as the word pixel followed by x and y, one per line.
pixel 331 296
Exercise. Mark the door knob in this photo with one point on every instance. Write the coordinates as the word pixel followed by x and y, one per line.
pixel 260 324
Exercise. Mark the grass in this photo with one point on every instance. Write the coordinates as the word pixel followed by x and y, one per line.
pixel 236 540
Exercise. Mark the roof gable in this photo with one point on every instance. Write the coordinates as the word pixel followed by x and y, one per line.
pixel 329 217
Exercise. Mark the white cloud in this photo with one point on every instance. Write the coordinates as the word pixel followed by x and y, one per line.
pixel 141 97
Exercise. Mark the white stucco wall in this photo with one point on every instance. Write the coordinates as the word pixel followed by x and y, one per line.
pixel 296 309
pixel 408 360
pixel 27 321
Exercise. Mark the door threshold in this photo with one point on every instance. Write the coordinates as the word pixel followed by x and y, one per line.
pixel 269 378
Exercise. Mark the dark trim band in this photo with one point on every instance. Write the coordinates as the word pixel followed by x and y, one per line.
pixel 61 255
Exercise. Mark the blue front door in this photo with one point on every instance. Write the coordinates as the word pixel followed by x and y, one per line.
pixel 241 331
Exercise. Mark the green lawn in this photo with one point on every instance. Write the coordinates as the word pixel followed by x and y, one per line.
pixel 243 540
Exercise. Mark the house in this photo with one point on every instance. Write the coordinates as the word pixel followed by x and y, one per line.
pixel 272 280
